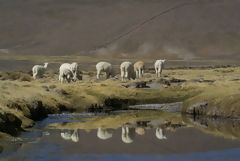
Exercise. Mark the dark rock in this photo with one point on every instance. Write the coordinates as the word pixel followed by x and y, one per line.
pixel 117 103
pixel 38 111
pixel 141 84
pixel 175 80
pixel 99 109
pixel 165 81
pixel 198 108
pixel 10 124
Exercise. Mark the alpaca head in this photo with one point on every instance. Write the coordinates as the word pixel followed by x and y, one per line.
pixel 45 65
pixel 74 78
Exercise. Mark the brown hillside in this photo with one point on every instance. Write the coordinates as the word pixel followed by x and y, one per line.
pixel 182 29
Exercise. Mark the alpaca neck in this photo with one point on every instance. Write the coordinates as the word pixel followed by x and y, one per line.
pixel 45 66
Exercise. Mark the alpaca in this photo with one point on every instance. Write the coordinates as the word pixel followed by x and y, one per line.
pixel 65 73
pixel 38 70
pixel 127 70
pixel 159 64
pixel 104 67
pixel 74 68
pixel 139 69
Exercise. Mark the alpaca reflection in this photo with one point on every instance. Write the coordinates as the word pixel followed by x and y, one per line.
pixel 104 134
pixel 160 133
pixel 128 134
pixel 69 135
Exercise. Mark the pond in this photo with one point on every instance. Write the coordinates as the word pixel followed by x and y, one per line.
pixel 129 135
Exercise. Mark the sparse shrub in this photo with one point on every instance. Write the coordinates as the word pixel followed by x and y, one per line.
pixel 26 85
pixel 51 73
pixel 52 86
pixel 46 88
pixel 16 76
pixel 25 77
pixel 62 92
pixel 91 74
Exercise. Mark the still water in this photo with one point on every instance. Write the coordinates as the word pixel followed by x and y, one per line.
pixel 86 137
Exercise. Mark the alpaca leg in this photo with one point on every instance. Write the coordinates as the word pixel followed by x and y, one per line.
pixel 61 79
pixel 122 75
pixel 136 74
pixel 126 75
pixel 142 72
pixel 34 75
pixel 107 75
pixel 98 74
pixel 159 71
pixel 156 70
pixel 139 72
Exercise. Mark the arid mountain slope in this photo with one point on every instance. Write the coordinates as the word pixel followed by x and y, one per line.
pixel 182 29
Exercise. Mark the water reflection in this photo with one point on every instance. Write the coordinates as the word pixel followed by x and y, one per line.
pixel 70 135
pixel 161 134
pixel 104 134
pixel 105 127
pixel 112 134
pixel 128 134
pixel 128 131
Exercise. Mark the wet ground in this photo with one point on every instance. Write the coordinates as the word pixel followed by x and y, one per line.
pixel 151 139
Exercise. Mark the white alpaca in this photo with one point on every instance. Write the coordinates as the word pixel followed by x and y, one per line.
pixel 65 73
pixel 159 64
pixel 38 70
pixel 127 70
pixel 104 134
pixel 160 134
pixel 128 134
pixel 74 68
pixel 70 135
pixel 104 67
pixel 139 69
